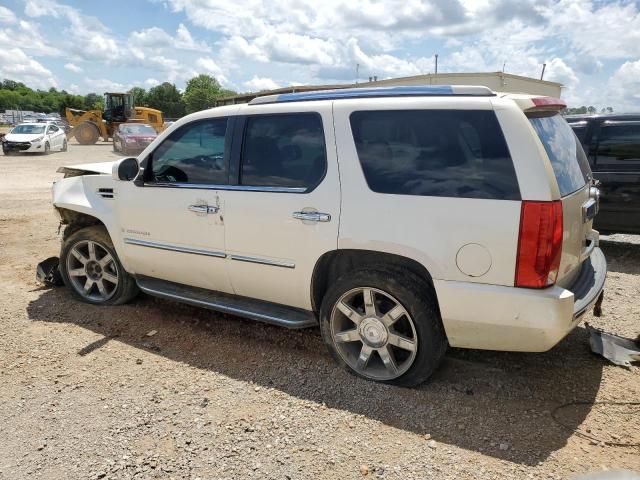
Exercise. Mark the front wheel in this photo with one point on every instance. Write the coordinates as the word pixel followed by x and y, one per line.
pixel 383 324
pixel 92 271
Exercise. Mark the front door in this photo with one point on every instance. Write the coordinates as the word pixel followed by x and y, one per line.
pixel 173 226
pixel 284 212
pixel 56 136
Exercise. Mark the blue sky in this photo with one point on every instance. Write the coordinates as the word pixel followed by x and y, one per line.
pixel 591 46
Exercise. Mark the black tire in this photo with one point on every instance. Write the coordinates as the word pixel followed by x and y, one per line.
pixel 86 133
pixel 65 146
pixel 47 148
pixel 418 299
pixel 126 288
pixel 8 153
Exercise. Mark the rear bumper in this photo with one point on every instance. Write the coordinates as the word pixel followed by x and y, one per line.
pixel 493 317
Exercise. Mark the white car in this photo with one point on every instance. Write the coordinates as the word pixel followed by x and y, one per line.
pixel 399 220
pixel 34 137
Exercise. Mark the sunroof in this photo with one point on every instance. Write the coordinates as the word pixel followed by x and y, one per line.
pixel 377 92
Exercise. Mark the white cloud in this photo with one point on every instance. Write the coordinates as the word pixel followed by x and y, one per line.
pixel 558 71
pixel 106 85
pixel 17 65
pixel 151 82
pixel 623 88
pixel 73 67
pixel 257 84
pixel 28 36
pixel 6 15
pixel 156 39
pixel 209 66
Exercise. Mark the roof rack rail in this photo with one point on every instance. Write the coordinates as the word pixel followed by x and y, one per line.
pixel 378 92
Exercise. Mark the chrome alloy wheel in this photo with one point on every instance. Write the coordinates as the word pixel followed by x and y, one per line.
pixel 373 333
pixel 92 271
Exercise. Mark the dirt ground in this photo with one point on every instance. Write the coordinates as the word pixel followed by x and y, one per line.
pixel 85 393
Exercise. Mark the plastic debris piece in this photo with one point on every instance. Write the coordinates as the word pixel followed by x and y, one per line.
pixel 618 350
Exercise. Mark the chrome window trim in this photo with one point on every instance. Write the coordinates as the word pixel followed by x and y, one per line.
pixel 174 248
pixel 246 188
pixel 263 261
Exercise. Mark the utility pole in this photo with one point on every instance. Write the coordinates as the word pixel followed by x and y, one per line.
pixel 544 65
pixel 436 63
pixel 504 65
pixel 357 72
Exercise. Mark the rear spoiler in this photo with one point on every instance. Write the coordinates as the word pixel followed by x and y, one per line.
pixel 540 104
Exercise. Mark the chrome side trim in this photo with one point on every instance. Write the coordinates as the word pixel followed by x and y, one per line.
pixel 244 188
pixel 174 248
pixel 263 261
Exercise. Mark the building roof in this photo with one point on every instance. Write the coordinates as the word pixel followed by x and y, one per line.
pixel 427 79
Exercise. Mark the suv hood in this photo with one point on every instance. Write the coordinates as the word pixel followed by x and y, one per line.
pixel 22 137
pixel 102 168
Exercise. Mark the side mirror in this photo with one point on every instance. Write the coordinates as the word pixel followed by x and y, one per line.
pixel 125 169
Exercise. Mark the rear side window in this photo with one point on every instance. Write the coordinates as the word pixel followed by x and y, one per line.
pixel 564 150
pixel 441 153
pixel 286 151
pixel 619 146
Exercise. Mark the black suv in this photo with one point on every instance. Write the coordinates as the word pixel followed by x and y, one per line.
pixel 612 143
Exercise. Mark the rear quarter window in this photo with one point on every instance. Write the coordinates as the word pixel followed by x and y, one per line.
pixel 569 163
pixel 441 153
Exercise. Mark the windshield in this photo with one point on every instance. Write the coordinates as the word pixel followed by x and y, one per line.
pixel 137 130
pixel 29 129
pixel 570 165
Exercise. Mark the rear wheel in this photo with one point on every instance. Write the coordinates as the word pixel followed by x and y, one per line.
pixel 383 324
pixel 86 133
pixel 92 271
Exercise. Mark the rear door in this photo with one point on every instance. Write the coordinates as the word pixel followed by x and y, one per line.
pixel 283 213
pixel 617 166
pixel 573 175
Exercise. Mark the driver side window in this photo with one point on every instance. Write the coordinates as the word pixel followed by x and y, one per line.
pixel 193 154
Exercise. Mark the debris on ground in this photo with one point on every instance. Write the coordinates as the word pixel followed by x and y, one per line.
pixel 47 272
pixel 618 350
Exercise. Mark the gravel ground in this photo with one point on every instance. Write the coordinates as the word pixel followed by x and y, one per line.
pixel 87 393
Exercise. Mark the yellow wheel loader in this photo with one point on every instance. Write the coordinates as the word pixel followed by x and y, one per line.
pixel 89 126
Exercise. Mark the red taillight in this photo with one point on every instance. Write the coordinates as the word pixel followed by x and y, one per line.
pixel 539 244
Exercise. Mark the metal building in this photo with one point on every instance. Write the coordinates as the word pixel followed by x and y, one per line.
pixel 496 81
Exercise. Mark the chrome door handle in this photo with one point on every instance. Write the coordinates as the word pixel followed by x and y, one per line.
pixel 312 216
pixel 203 209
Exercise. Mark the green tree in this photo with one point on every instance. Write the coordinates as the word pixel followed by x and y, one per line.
pixel 166 98
pixel 202 92
pixel 93 101
pixel 139 96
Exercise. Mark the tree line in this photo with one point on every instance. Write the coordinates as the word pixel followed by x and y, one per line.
pixel 200 93
pixel 591 110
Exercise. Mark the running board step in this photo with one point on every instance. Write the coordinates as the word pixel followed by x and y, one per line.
pixel 259 310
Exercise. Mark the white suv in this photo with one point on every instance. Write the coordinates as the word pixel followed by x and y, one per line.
pixel 402 220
